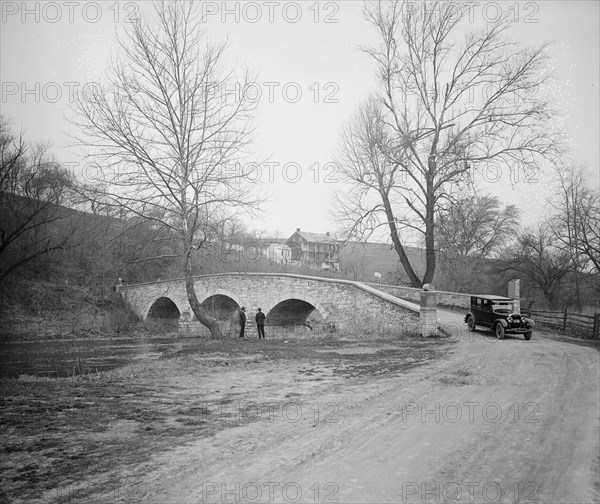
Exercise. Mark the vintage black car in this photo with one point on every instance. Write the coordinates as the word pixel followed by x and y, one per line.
pixel 496 313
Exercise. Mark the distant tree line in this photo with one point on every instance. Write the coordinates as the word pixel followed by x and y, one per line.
pixel 558 260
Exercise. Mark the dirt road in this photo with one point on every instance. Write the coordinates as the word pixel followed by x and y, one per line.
pixel 496 421
pixel 466 419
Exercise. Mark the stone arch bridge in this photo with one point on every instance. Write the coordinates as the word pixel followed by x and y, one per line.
pixel 286 299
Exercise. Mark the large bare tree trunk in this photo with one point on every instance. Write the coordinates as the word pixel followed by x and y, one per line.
pixel 210 322
pixel 414 279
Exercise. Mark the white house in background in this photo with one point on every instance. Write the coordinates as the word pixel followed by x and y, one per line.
pixel 278 253
pixel 315 250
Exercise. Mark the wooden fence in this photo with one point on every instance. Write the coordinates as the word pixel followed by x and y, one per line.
pixel 584 324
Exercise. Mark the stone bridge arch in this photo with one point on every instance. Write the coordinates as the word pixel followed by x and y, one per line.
pixel 290 297
pixel 230 308
pixel 148 306
pixel 220 292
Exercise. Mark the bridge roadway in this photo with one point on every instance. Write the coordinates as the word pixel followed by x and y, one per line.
pixel 286 299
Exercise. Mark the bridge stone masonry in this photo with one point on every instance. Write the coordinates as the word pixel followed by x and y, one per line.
pixel 286 299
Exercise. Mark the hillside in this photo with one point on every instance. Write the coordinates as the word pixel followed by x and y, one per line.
pixel 360 260
pixel 38 310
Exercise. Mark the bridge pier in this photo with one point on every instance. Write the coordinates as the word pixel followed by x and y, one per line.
pixel 189 326
pixel 185 324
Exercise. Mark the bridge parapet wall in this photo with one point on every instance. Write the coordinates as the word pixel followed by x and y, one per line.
pixel 453 299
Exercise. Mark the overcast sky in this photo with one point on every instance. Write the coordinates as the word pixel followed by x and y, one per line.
pixel 312 76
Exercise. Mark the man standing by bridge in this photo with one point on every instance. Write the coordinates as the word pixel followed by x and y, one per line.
pixel 242 321
pixel 260 323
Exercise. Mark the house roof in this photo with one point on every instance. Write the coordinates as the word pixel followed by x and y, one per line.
pixel 315 237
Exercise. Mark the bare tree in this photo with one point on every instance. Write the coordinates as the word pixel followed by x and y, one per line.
pixel 576 223
pixel 32 186
pixel 165 135
pixel 471 229
pixel 448 104
pixel 537 259
pixel 589 242
pixel 476 226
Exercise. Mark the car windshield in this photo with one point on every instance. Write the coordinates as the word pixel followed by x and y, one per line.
pixel 502 307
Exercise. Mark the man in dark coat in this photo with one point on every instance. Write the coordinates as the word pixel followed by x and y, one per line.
pixel 260 323
pixel 242 321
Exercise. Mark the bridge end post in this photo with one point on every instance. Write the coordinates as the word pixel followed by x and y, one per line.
pixel 514 292
pixel 428 312
pixel 121 289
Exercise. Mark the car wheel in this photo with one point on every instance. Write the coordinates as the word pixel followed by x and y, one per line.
pixel 471 324
pixel 499 331
pixel 528 335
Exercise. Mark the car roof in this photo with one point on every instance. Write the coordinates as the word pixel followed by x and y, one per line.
pixel 492 298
